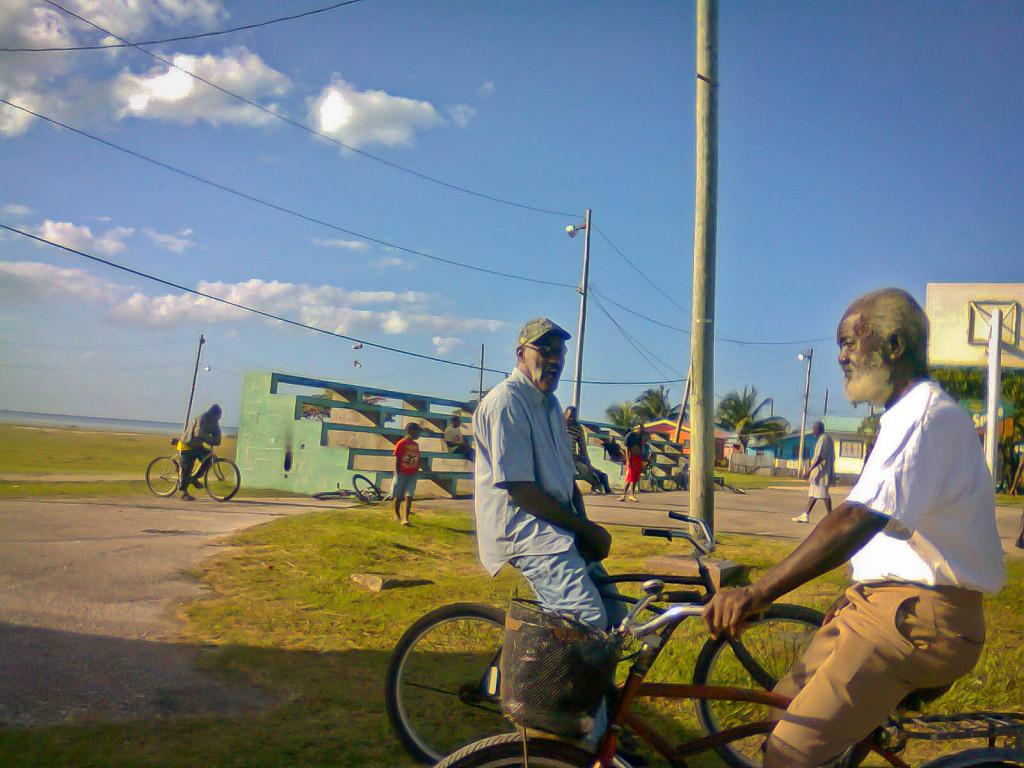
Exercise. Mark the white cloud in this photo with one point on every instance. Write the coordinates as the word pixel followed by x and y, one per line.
pixel 486 89
pixel 170 94
pixel 82 239
pixel 359 118
pixel 171 243
pixel 28 281
pixel 324 306
pixel 351 245
pixel 461 114
pixel 446 344
pixel 46 82
pixel 391 262
pixel 16 209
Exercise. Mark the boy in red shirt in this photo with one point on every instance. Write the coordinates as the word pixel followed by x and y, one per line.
pixel 407 465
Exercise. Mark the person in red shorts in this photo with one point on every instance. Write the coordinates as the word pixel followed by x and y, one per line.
pixel 407 466
pixel 635 461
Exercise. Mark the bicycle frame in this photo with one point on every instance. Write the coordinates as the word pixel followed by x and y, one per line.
pixel 635 686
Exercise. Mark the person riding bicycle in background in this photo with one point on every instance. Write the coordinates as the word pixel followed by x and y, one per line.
pixel 203 430
pixel 919 528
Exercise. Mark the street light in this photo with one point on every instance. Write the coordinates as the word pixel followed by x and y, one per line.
pixel 571 231
pixel 808 356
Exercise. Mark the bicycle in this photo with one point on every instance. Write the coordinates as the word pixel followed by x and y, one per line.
pixel 219 476
pixel 363 490
pixel 441 686
pixel 1003 731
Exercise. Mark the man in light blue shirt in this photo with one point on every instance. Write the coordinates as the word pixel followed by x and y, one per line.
pixel 529 512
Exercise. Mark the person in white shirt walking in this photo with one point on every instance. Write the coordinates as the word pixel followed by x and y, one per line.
pixel 822 473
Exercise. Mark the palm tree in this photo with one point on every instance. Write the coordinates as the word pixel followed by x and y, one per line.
pixel 653 404
pixel 739 412
pixel 622 415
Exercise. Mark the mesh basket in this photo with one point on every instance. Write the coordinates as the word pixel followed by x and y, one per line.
pixel 555 670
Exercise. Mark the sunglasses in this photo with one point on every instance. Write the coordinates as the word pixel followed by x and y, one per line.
pixel 548 350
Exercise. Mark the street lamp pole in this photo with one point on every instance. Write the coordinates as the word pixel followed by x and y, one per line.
pixel 808 356
pixel 195 373
pixel 577 385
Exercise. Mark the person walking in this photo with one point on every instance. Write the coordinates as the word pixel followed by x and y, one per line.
pixel 919 529
pixel 635 443
pixel 821 474
pixel 407 467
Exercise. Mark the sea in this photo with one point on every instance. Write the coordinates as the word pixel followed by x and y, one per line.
pixel 97 423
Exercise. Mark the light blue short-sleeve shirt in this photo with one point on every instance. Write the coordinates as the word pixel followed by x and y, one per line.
pixel 520 436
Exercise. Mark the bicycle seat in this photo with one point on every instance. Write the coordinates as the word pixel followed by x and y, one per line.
pixel 916 701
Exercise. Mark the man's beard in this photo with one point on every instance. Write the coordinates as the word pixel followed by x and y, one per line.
pixel 869 383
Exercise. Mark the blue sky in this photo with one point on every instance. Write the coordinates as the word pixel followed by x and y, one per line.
pixel 862 144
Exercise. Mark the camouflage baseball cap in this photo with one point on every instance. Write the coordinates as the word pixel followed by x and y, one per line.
pixel 538 327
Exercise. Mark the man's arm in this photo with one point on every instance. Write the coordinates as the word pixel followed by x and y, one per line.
pixel 834 540
pixel 593 540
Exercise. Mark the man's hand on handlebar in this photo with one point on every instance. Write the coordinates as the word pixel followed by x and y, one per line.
pixel 729 609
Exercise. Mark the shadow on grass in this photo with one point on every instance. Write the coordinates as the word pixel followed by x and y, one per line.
pixel 72 699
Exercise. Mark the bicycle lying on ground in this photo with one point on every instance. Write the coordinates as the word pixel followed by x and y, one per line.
pixel 442 682
pixel 219 476
pixel 738 744
pixel 363 489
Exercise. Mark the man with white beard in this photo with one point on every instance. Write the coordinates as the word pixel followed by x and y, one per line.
pixel 919 529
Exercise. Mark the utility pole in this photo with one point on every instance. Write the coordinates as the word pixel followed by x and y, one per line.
pixel 682 405
pixel 582 327
pixel 702 435
pixel 992 396
pixel 808 356
pixel 195 373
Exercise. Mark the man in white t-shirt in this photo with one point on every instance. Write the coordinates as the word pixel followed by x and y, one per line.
pixel 919 529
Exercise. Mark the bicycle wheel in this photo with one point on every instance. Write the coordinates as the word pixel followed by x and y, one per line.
pixel 222 479
pixel 983 757
pixel 441 684
pixel 506 751
pixel 366 489
pixel 765 653
pixel 162 475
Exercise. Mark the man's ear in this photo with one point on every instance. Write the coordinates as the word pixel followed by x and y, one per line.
pixel 896 348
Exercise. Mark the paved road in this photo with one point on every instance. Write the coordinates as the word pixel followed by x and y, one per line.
pixel 88 590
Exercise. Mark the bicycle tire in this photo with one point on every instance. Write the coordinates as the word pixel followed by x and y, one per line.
pixel 437 680
pixel 981 757
pixel 765 652
pixel 366 489
pixel 163 476
pixel 506 751
pixel 222 479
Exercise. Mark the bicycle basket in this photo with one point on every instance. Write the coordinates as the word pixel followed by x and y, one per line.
pixel 555 670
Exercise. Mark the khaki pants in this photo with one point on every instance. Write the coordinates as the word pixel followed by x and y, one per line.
pixel 892 638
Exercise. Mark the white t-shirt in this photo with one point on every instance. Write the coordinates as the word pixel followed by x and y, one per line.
pixel 927 473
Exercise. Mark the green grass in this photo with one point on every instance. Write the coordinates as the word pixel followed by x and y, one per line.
pixel 283 613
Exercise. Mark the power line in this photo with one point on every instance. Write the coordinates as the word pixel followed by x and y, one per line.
pixel 639 271
pixel 35 344
pixel 645 353
pixel 314 132
pixel 183 37
pixel 285 320
pixel 281 208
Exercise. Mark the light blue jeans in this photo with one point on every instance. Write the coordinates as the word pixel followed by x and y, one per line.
pixel 564 581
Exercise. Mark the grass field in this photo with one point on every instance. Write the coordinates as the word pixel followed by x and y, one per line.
pixel 282 612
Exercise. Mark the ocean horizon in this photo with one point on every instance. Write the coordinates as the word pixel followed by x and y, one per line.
pixel 31 418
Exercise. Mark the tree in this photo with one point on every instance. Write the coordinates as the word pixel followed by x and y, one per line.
pixel 622 415
pixel 653 404
pixel 739 412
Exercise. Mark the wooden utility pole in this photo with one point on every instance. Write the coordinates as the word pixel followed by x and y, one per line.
pixel 195 374
pixel 702 340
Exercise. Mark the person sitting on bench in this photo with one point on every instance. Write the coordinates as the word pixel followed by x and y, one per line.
pixel 580 457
